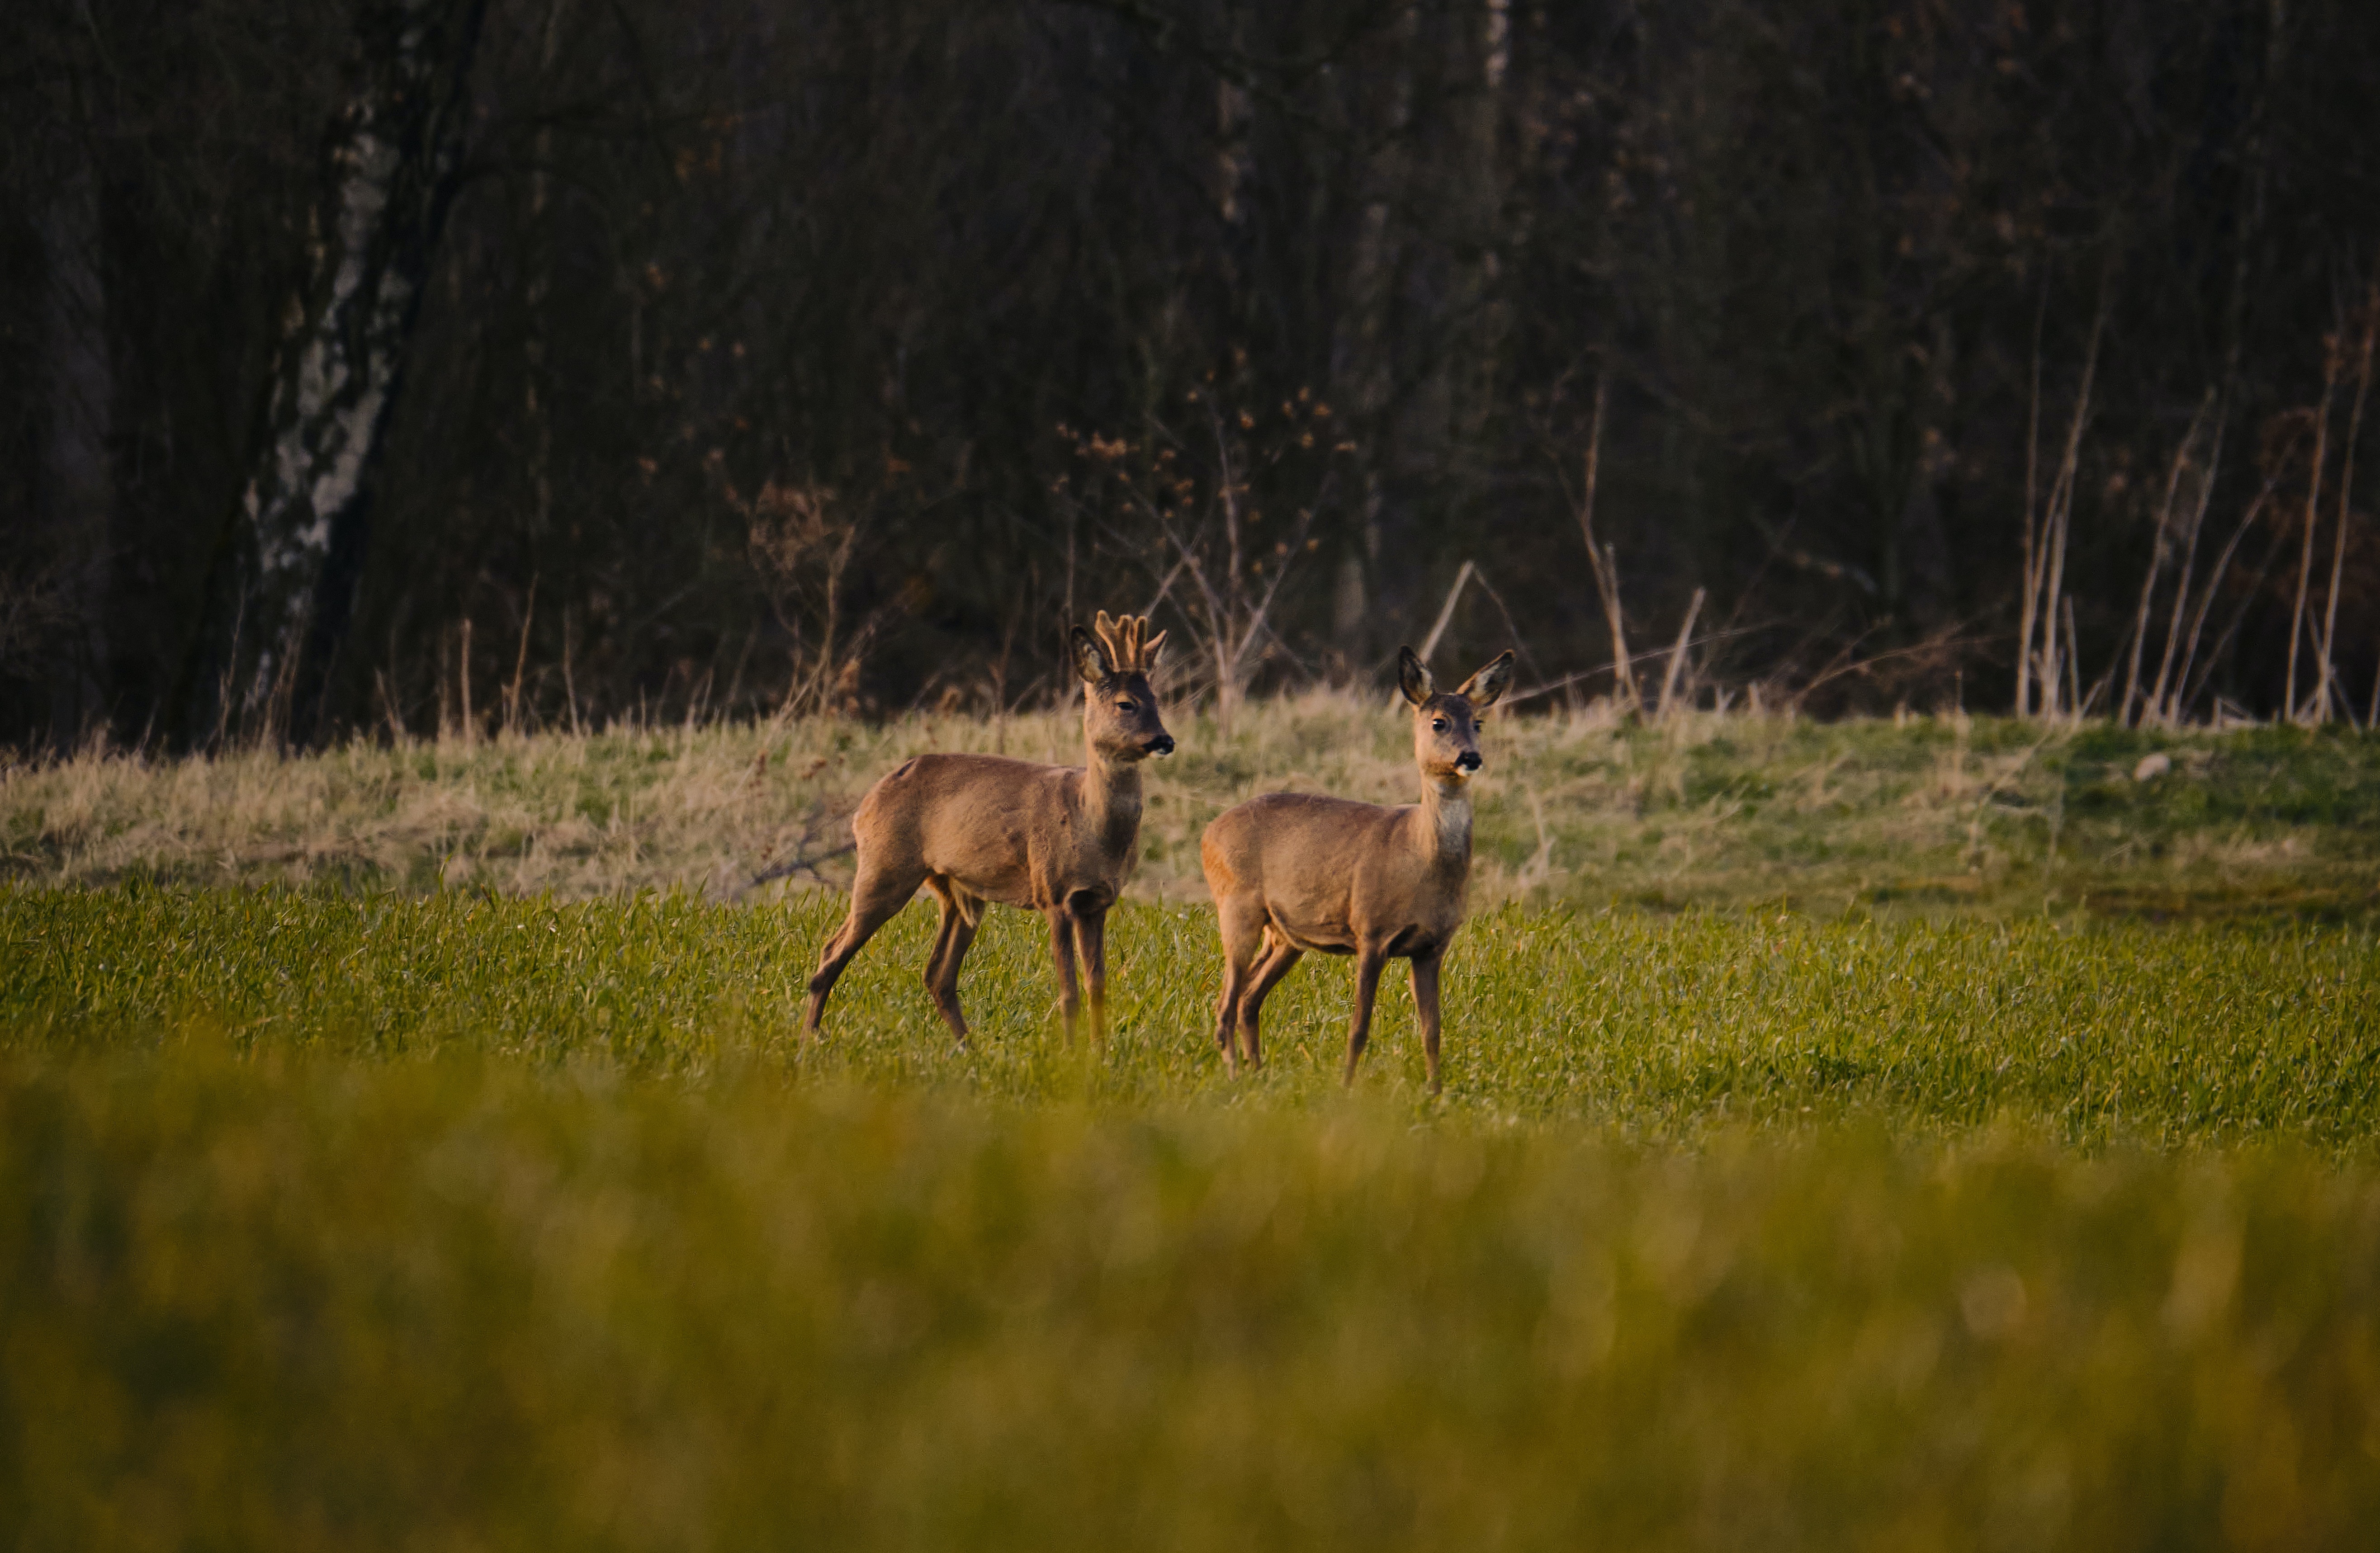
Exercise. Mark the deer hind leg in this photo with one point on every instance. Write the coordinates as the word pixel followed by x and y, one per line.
pixel 877 895
pixel 956 934
pixel 1242 924
pixel 1369 962
pixel 1279 961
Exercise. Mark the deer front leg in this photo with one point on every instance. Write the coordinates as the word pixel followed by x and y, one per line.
pixel 1061 950
pixel 1370 961
pixel 1091 939
pixel 1424 990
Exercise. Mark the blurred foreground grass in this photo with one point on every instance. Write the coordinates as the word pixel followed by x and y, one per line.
pixel 298 1303
pixel 344 1220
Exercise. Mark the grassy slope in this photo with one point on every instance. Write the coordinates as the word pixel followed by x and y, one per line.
pixel 340 1218
pixel 1934 816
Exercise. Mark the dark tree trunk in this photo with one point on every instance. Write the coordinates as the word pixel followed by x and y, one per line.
pixel 284 586
pixel 78 489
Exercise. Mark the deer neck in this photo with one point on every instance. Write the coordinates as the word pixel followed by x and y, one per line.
pixel 1111 791
pixel 1445 816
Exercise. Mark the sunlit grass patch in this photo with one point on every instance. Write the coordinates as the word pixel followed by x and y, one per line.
pixel 1662 1026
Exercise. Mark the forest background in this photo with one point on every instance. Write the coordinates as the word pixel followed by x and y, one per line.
pixel 395 364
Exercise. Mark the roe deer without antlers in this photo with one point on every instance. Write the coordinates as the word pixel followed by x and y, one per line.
pixel 1293 872
pixel 1056 839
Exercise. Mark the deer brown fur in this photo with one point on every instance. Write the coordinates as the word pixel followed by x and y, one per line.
pixel 1293 872
pixel 1056 839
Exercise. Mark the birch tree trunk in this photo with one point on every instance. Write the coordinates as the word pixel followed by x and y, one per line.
pixel 300 532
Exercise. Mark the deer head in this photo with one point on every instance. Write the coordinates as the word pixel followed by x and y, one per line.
pixel 1115 659
pixel 1445 727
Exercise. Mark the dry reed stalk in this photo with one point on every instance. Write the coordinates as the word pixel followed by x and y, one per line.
pixel 1605 561
pixel 1677 656
pixel 445 704
pixel 470 728
pixel 2346 485
pixel 2313 517
pixel 2182 692
pixel 2074 703
pixel 2025 621
pixel 1446 611
pixel 569 687
pixel 2248 597
pixel 520 663
pixel 2159 549
pixel 2061 512
pixel 2156 709
pixel 388 708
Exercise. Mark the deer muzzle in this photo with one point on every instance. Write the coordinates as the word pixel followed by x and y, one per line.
pixel 1467 761
pixel 1161 745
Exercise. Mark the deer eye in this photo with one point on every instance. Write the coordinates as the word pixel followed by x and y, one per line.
pixel 1125 706
pixel 1439 724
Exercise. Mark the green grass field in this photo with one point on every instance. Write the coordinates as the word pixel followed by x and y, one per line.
pixel 1661 1028
pixel 1753 1216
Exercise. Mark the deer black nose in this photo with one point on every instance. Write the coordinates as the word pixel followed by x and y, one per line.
pixel 1467 761
pixel 1161 745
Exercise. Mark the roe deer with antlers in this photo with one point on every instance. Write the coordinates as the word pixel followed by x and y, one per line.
pixel 1293 872
pixel 1056 839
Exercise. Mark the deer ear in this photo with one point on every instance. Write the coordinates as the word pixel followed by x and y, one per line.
pixel 1484 688
pixel 1091 659
pixel 1151 650
pixel 1412 677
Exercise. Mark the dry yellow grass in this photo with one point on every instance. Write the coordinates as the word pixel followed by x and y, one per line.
pixel 1943 813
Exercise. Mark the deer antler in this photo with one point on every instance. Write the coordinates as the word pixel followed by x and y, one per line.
pixel 1129 646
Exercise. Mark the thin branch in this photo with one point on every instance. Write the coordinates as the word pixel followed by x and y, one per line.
pixel 1446 611
pixel 2157 709
pixel 1583 676
pixel 2247 599
pixel 2026 620
pixel 2182 695
pixel 1678 656
pixel 2158 550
